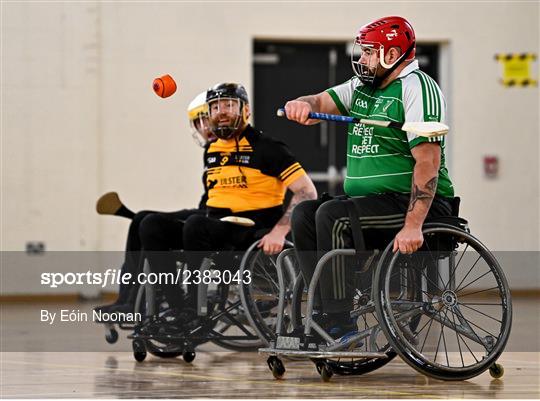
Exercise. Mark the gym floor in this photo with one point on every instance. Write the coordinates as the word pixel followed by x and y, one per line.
pixel 27 372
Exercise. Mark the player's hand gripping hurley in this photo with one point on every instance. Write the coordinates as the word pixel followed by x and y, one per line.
pixel 426 129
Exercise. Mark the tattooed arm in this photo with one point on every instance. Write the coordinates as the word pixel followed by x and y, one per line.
pixel 303 189
pixel 427 158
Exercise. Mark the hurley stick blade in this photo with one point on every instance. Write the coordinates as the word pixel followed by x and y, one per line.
pixel 241 221
pixel 110 203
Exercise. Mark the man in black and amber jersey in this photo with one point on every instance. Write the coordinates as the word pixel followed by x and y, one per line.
pixel 248 175
pixel 165 227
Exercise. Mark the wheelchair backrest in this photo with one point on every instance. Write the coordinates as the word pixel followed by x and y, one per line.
pixel 455 206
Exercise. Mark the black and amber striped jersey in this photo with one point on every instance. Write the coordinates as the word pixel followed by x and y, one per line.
pixel 249 173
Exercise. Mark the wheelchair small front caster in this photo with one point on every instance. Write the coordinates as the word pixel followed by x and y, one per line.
pixel 496 371
pixel 276 366
pixel 189 356
pixel 325 371
pixel 139 350
pixel 111 336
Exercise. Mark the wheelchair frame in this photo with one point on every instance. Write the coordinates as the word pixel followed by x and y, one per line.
pixel 250 324
pixel 323 355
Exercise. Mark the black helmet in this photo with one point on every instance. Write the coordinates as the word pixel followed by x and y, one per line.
pixel 227 90
pixel 238 98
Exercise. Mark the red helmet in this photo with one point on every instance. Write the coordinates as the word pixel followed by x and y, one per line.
pixel 387 32
pixel 379 36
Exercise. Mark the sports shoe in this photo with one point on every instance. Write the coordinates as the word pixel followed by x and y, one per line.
pixel 105 308
pixel 178 322
pixel 336 325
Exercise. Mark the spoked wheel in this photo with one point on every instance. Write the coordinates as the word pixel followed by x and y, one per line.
pixel 236 323
pixel 461 324
pixel 260 296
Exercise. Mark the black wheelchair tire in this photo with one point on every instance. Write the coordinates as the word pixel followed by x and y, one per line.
pixel 411 356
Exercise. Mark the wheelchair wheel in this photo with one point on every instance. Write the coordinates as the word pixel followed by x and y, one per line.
pixel 240 326
pixel 111 336
pixel 139 350
pixel 348 366
pixel 260 296
pixel 461 323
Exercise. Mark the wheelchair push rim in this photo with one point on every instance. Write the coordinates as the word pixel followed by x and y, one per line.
pixel 260 296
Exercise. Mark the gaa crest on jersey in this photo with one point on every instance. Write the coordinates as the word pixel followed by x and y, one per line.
pixel 362 103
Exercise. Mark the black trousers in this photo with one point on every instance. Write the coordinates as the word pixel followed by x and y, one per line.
pixel 198 234
pixel 132 256
pixel 319 227
pixel 205 234
pixel 151 230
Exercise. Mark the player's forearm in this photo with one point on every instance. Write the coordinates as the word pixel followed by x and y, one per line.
pixel 303 194
pixel 313 100
pixel 423 190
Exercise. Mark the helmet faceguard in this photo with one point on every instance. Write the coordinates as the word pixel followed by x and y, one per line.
pixel 372 44
pixel 227 109
pixel 364 64
pixel 198 120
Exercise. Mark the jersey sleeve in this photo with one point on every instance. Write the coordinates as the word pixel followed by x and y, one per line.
pixel 342 94
pixel 279 162
pixel 422 101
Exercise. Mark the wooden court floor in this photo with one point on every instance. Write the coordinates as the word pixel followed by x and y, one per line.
pixel 27 373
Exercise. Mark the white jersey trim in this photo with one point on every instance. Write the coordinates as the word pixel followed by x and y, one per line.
pixel 413 100
pixel 375 176
pixel 375 156
pixel 345 91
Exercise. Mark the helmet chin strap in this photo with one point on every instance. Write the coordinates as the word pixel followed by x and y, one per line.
pixel 378 80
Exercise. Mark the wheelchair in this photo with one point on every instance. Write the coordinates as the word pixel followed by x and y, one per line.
pixel 235 314
pixel 446 310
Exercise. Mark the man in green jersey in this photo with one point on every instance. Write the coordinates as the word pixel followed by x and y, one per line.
pixel 394 179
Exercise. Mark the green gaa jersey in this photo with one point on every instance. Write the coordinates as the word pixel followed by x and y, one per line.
pixel 379 160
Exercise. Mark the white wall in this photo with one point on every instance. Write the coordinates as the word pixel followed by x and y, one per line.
pixel 79 116
pixel 50 125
